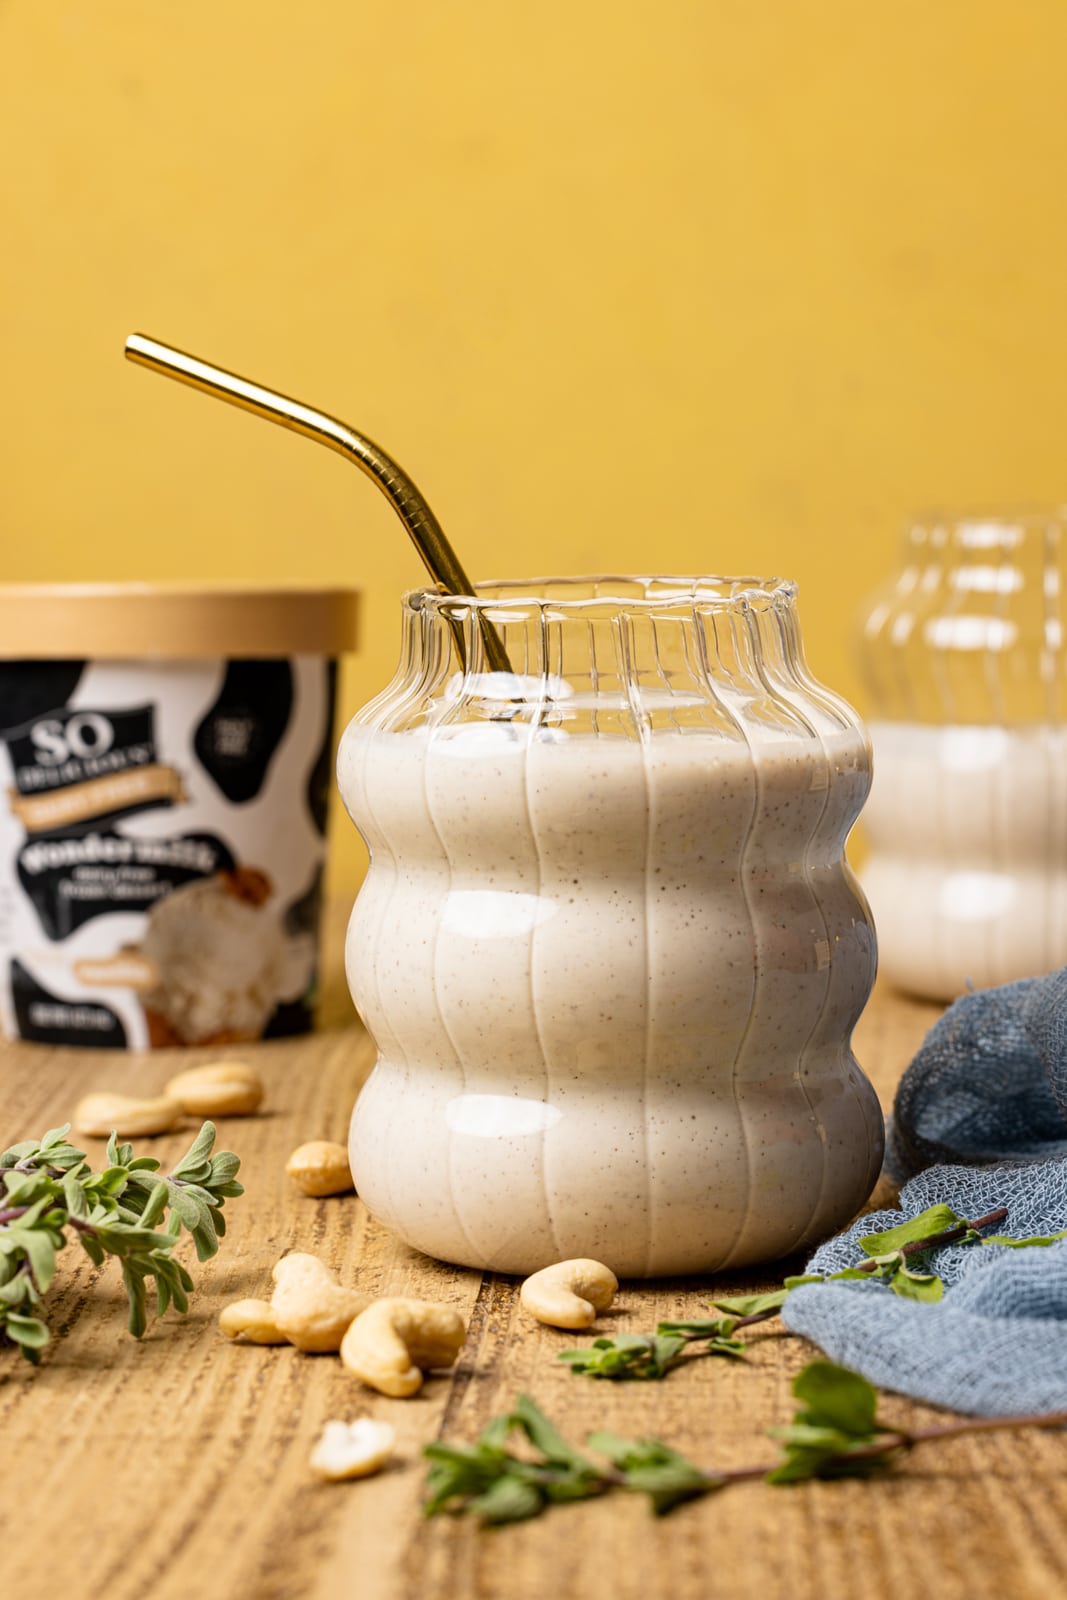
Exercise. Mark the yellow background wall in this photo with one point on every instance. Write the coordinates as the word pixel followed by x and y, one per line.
pixel 709 284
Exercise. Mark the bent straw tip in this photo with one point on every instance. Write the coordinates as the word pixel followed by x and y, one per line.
pixel 139 345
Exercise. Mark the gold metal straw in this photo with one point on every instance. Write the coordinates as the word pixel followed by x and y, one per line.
pixel 414 511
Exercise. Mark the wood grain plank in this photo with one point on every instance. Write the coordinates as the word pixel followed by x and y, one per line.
pixel 178 1465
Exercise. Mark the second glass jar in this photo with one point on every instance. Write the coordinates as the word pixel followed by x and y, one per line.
pixel 963 655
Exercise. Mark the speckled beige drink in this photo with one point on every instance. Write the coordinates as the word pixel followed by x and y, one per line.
pixel 967 870
pixel 612 982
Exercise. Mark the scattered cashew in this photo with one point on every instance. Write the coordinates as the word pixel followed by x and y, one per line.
pixel 218 1089
pixel 252 1320
pixel 353 1449
pixel 569 1294
pixel 390 1344
pixel 320 1168
pixel 309 1306
pixel 104 1113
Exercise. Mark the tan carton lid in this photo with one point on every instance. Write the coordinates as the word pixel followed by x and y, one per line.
pixel 137 621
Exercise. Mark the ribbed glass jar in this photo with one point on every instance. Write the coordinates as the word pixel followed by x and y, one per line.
pixel 608 947
pixel 963 657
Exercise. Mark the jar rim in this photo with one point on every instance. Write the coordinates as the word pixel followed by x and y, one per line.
pixel 615 592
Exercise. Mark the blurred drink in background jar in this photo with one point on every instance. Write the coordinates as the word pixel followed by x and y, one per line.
pixel 963 659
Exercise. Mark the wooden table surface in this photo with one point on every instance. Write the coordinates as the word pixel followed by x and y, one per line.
pixel 177 1466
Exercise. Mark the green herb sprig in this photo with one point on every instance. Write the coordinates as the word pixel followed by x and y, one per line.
pixel 129 1210
pixel 642 1356
pixel 889 1255
pixel 836 1433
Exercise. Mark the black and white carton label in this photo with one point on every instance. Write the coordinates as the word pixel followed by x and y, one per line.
pixel 162 839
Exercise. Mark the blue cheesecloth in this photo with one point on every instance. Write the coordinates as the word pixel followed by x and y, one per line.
pixel 989 1083
pixel 986 1099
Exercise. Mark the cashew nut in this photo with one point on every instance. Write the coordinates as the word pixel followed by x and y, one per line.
pixel 393 1342
pixel 103 1114
pixel 353 1449
pixel 320 1168
pixel 218 1089
pixel 252 1320
pixel 569 1294
pixel 309 1306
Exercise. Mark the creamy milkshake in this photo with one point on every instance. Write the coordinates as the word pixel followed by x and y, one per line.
pixel 612 981
pixel 967 873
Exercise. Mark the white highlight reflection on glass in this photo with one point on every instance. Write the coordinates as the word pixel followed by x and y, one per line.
pixel 494 913
pixel 971 633
pixel 513 687
pixel 1002 579
pixel 499 1116
pixel 973 749
pixel 975 896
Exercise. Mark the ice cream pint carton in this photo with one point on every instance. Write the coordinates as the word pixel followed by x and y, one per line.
pixel 165 756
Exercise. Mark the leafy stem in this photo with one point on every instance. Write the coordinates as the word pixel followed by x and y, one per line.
pixel 835 1433
pixel 130 1210
pixel 887 1255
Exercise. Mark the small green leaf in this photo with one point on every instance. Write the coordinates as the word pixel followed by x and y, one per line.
pixel 229 1191
pixel 55 1136
pixel 698 1328
pixel 544 1435
pixel 751 1305
pixel 28 1331
pixel 39 1251
pixel 26 1188
pixel 155 1205
pixel 198 1152
pixel 141 1181
pixel 612 1445
pixel 459 1472
pixel 1037 1241
pixel 92 1248
pixel 224 1167
pixel 509 1499
pixel 935 1219
pixel 135 1293
pixel 836 1398
pixel 18 1152
pixel 112 1181
pixel 924 1286
pixel 207 1245
pixel 494 1436
pixel 74 1195
pixel 186 1207
pixel 803 1435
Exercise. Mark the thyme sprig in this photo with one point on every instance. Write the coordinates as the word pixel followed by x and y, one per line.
pixel 836 1433
pixel 889 1255
pixel 129 1210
